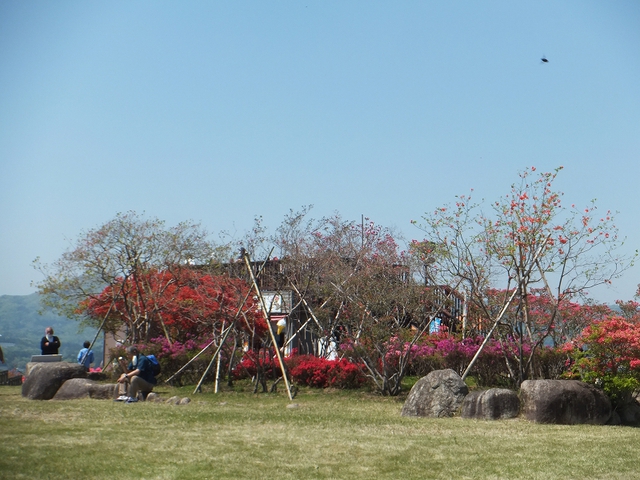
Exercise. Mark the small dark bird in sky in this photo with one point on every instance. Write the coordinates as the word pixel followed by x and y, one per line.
pixel 544 60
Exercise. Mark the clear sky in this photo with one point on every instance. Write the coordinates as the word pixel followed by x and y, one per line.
pixel 218 112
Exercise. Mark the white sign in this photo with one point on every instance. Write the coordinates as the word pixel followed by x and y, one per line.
pixel 277 302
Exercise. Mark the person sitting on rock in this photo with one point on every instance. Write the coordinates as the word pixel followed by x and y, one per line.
pixel 85 356
pixel 138 376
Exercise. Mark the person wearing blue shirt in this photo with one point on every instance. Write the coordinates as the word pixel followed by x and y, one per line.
pixel 85 356
pixel 138 377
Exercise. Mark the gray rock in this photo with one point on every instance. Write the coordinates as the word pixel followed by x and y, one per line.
pixel 175 400
pixel 44 379
pixel 629 413
pixel 154 397
pixel 492 404
pixel 565 402
pixel 614 419
pixel 84 388
pixel 439 394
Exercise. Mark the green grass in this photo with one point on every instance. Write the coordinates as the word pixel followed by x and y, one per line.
pixel 330 435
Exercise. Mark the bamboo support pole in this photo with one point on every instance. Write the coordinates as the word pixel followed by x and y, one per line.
pixel 266 316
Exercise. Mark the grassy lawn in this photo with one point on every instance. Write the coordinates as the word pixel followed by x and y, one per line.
pixel 340 435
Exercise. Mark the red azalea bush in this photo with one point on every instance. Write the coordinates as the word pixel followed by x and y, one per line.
pixel 322 373
pixel 304 370
pixel 254 362
pixel 610 356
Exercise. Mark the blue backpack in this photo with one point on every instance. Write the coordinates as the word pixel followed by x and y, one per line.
pixel 155 365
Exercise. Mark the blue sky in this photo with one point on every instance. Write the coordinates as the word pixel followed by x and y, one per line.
pixel 218 112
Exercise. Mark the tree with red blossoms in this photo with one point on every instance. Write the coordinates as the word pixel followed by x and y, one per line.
pixel 530 241
pixel 571 317
pixel 181 303
pixel 130 262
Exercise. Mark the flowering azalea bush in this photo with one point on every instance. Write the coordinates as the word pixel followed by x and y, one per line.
pixel 256 362
pixel 322 373
pixel 610 357
pixel 444 350
pixel 432 352
pixel 186 303
pixel 304 370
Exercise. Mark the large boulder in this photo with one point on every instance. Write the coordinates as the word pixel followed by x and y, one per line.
pixel 439 394
pixel 85 388
pixel 44 379
pixel 565 402
pixel 629 413
pixel 492 404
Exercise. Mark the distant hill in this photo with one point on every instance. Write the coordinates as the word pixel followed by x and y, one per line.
pixel 22 327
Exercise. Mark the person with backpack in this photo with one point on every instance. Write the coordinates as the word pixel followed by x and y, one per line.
pixel 138 377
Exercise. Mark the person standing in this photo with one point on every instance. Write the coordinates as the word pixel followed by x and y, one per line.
pixel 49 343
pixel 85 356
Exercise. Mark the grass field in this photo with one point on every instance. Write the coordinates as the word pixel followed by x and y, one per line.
pixel 326 435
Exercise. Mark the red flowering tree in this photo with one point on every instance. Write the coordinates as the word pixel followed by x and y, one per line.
pixel 610 356
pixel 531 241
pixel 571 318
pixel 179 304
pixel 130 263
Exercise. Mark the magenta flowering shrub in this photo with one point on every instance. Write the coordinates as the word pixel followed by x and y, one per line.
pixel 176 349
pixel 442 350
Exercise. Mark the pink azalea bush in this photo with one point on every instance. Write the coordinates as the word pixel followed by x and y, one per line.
pixel 443 350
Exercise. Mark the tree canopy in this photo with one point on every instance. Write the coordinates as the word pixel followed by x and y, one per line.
pixel 530 241
pixel 518 268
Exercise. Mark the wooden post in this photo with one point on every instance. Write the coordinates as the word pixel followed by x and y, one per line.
pixel 217 382
pixel 265 314
pixel 216 354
